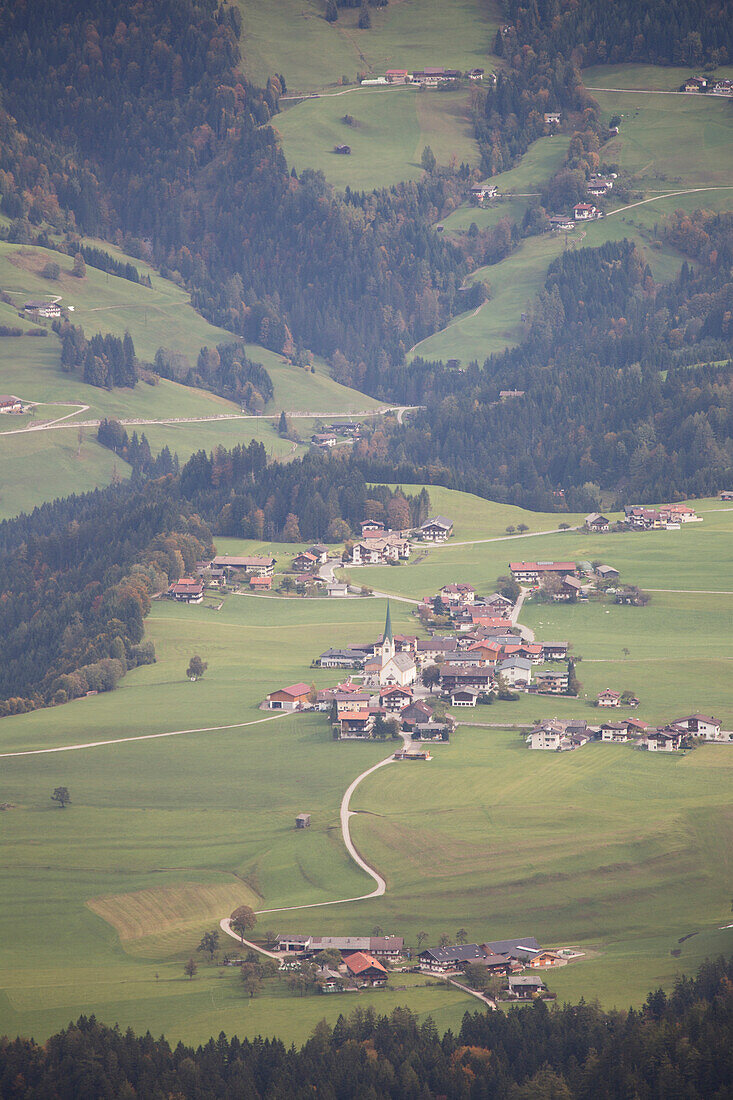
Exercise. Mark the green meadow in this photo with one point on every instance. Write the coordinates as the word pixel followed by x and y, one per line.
pixel 654 78
pixel 611 849
pixel 393 126
pixel 293 38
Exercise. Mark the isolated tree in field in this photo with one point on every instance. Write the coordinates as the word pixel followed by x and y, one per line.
pixel 190 968
pixel 626 651
pixel 365 19
pixel 80 268
pixel 196 668
pixel 209 943
pixel 428 160
pixel 62 796
pixel 377 930
pixel 421 937
pixel 431 677
pixel 282 425
pixel 332 12
pixel 461 936
pixel 510 529
pixel 443 941
pixel 251 979
pixel 522 527
pixel 242 920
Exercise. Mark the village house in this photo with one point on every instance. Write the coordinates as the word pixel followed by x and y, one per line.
pixel 510 395
pixel 260 584
pixel 371 527
pixel 551 682
pixel 695 84
pixel 615 732
pixel 679 513
pixel 41 308
pixel 554 651
pixel 415 714
pixel 597 523
pixel 532 572
pixel 380 551
pixel 337 589
pixel 10 404
pixel 515 671
pixel 437 529
pixel 397 76
pixel 304 561
pixel 454 595
pixel 463 697
pixel 429 650
pixel 552 118
pixel 432 731
pixel 726 494
pixel 643 518
pixel 571 588
pixel 599 186
pixel 186 590
pixel 559 736
pixel 353 700
pixel 342 658
pixel 433 75
pixel 230 564
pixel 455 676
pixel 499 604
pixel 395 699
pixel 356 723
pixel 700 725
pixel 475 74
pixel 585 211
pixel 667 739
pixel 294 697
pixel 608 698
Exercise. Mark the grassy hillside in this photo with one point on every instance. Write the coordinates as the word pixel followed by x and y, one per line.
pixel 394 126
pixel 658 78
pixel 293 38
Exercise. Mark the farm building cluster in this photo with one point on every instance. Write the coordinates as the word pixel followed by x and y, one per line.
pixel 344 963
pixel 708 85
pixel 432 76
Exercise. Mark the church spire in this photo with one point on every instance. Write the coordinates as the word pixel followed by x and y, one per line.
pixel 388 635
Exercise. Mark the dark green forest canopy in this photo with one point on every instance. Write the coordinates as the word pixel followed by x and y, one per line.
pixel 678 1046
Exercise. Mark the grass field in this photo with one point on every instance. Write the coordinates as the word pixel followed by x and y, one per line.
pixel 497 324
pixel 659 78
pixel 293 38
pixel 394 126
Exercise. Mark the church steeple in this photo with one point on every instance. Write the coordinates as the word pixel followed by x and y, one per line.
pixel 388 645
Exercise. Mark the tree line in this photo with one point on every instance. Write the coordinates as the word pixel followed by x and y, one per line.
pixel 676 1045
pixel 76 578
pixel 104 360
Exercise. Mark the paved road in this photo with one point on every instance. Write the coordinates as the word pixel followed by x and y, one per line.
pixel 474 993
pixel 226 926
pixel 668 195
pixel 502 538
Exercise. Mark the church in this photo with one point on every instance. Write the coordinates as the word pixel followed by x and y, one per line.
pixel 388 667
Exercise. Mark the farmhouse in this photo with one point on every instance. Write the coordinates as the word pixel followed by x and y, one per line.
pixel 257 566
pixel 260 584
pixel 522 949
pixel 395 699
pixel 374 550
pixel 356 723
pixel 552 118
pixel 397 76
pixel 608 698
pixel 186 590
pixel 40 308
pixel 431 731
pixel 371 527
pixel 607 572
pixel 304 561
pixel 457 594
pixel 596 522
pixel 366 969
pixel 531 572
pixel 570 589
pixel 481 191
pixel 325 439
pixel 523 987
pixel 695 84
pixel 440 960
pixel 386 946
pixel 554 651
pixel 9 404
pixel 416 714
pixel 437 529
pixel 294 697
pixel 342 658
pixel 558 736
pixel 585 211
